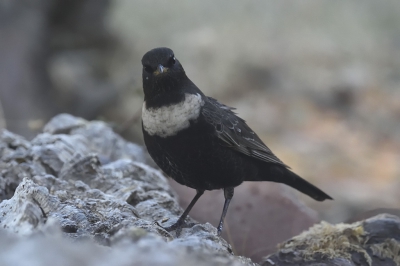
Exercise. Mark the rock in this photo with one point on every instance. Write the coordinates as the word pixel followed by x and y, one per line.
pixel 80 181
pixel 260 216
pixel 146 250
pixel 374 212
pixel 86 196
pixel 13 152
pixel 373 242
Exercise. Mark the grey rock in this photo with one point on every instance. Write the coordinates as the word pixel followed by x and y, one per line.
pixel 147 250
pixel 103 141
pixel 371 242
pixel 13 152
pixel 86 196
pixel 63 123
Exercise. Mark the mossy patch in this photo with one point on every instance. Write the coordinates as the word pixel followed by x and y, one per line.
pixel 390 249
pixel 329 241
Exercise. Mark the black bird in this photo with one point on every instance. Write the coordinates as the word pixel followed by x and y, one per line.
pixel 200 142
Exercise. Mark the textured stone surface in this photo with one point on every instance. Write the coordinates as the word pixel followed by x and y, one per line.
pixel 143 249
pixel 87 197
pixel 80 177
pixel 372 242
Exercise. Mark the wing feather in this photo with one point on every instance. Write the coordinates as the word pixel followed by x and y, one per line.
pixel 235 133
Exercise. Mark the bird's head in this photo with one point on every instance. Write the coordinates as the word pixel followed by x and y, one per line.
pixel 161 73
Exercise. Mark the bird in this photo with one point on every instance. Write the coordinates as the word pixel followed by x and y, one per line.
pixel 202 143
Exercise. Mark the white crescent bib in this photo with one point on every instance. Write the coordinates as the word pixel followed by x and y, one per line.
pixel 167 121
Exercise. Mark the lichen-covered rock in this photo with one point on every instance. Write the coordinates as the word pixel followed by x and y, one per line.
pixel 372 242
pixel 81 177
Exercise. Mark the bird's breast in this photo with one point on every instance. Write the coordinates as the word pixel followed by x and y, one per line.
pixel 168 120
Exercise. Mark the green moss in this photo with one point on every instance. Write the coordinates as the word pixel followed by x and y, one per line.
pixel 329 241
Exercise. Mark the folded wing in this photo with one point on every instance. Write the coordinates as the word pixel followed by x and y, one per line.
pixel 235 133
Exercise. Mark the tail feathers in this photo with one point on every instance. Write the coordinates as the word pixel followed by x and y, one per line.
pixel 283 175
pixel 305 187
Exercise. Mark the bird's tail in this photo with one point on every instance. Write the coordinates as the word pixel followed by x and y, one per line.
pixel 283 175
pixel 305 187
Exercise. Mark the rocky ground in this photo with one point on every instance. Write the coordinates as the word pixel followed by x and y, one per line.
pixel 80 181
pixel 78 194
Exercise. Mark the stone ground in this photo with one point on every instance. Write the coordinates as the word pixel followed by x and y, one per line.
pixel 78 194
pixel 80 188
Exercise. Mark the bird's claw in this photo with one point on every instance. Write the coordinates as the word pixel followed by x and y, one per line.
pixel 178 226
pixel 219 230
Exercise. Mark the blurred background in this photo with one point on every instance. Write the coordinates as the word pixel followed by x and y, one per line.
pixel 319 81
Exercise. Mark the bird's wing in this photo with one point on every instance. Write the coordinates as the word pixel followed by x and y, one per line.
pixel 235 133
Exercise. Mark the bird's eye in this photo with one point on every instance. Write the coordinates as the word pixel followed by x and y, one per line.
pixel 172 60
pixel 148 69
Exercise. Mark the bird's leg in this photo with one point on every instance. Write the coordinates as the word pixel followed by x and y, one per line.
pixel 228 193
pixel 181 219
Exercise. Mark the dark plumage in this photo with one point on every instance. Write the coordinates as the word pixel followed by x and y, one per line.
pixel 200 142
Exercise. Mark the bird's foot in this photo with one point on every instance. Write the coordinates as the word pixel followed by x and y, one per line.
pixel 177 227
pixel 219 230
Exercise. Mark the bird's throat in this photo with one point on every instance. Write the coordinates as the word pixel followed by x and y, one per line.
pixel 168 120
